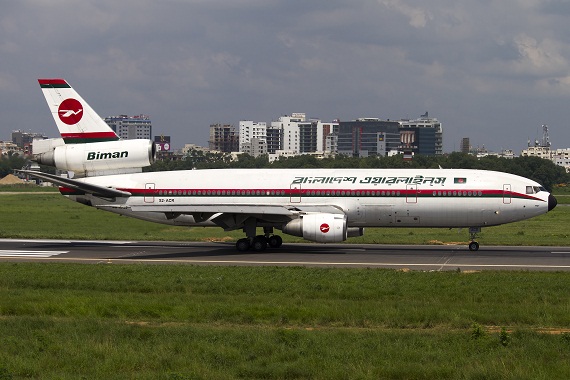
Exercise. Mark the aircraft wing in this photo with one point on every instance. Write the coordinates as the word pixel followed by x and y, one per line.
pixel 99 191
pixel 234 216
pixel 233 208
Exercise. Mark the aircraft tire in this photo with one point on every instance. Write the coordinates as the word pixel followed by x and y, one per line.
pixel 243 245
pixel 473 246
pixel 275 241
pixel 259 244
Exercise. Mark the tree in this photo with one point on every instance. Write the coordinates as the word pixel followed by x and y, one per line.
pixel 10 162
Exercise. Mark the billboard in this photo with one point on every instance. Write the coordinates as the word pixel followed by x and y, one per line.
pixel 162 143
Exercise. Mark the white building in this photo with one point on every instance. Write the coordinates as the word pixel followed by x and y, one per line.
pixel 249 130
pixel 8 147
pixel 131 127
pixel 537 151
pixel 289 126
pixel 327 137
pixel 287 136
pixel 560 157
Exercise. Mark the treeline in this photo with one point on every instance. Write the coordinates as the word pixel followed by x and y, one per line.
pixel 538 169
pixel 543 171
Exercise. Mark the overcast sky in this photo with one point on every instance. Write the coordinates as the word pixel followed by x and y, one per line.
pixel 491 70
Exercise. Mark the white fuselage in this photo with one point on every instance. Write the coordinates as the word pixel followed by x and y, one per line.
pixel 368 197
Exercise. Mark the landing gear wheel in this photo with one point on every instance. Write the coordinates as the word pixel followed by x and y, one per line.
pixel 243 245
pixel 259 243
pixel 473 246
pixel 275 241
pixel 473 232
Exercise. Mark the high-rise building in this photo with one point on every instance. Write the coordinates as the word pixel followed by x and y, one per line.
pixel 465 145
pixel 274 138
pixel 417 140
pixel 290 132
pixel 223 138
pixel 308 137
pixel 249 130
pixel 426 138
pixel 131 127
pixel 360 138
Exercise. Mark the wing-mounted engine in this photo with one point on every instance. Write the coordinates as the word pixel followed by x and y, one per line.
pixel 320 227
pixel 98 158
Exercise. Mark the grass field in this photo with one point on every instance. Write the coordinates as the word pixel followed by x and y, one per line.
pixel 71 321
pixel 63 219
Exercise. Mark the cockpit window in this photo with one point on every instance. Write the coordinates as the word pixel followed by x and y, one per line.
pixel 534 189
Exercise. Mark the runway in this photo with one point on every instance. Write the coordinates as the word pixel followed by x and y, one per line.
pixel 412 257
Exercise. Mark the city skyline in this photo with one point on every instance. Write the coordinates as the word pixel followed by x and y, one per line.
pixel 493 71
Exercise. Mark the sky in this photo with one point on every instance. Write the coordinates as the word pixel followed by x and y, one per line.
pixel 490 70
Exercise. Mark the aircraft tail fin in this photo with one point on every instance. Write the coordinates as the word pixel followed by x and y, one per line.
pixel 77 122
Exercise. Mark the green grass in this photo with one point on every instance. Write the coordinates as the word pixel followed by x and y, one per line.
pixel 26 188
pixel 69 321
pixel 55 217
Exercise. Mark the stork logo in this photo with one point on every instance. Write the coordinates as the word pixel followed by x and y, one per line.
pixel 70 111
pixel 325 228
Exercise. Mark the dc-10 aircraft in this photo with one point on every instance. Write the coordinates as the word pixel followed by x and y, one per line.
pixel 320 205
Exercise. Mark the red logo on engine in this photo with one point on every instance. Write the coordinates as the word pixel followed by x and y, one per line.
pixel 70 111
pixel 325 228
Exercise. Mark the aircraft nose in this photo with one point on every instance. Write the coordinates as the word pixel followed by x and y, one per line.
pixel 552 202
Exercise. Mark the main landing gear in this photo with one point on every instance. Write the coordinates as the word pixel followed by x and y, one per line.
pixel 260 242
pixel 473 232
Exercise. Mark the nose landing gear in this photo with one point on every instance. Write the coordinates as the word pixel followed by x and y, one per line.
pixel 473 232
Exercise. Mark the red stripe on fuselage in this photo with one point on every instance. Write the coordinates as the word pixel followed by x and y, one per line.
pixel 463 193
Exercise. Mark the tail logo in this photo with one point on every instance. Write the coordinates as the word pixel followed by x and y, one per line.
pixel 70 111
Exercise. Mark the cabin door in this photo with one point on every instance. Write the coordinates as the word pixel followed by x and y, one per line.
pixel 149 193
pixel 295 193
pixel 507 194
pixel 412 193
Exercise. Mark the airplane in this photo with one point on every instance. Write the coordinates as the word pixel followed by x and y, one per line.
pixel 319 205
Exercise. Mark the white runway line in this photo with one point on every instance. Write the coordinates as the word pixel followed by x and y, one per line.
pixel 13 253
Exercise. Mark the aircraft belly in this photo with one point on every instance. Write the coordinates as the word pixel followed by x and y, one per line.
pixel 427 214
pixel 378 215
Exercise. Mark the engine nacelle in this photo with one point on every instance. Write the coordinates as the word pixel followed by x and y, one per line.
pixel 320 228
pixel 100 157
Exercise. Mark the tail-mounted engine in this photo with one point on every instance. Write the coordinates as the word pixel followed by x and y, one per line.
pixel 99 158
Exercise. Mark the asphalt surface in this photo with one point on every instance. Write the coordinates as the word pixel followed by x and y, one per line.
pixel 413 257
